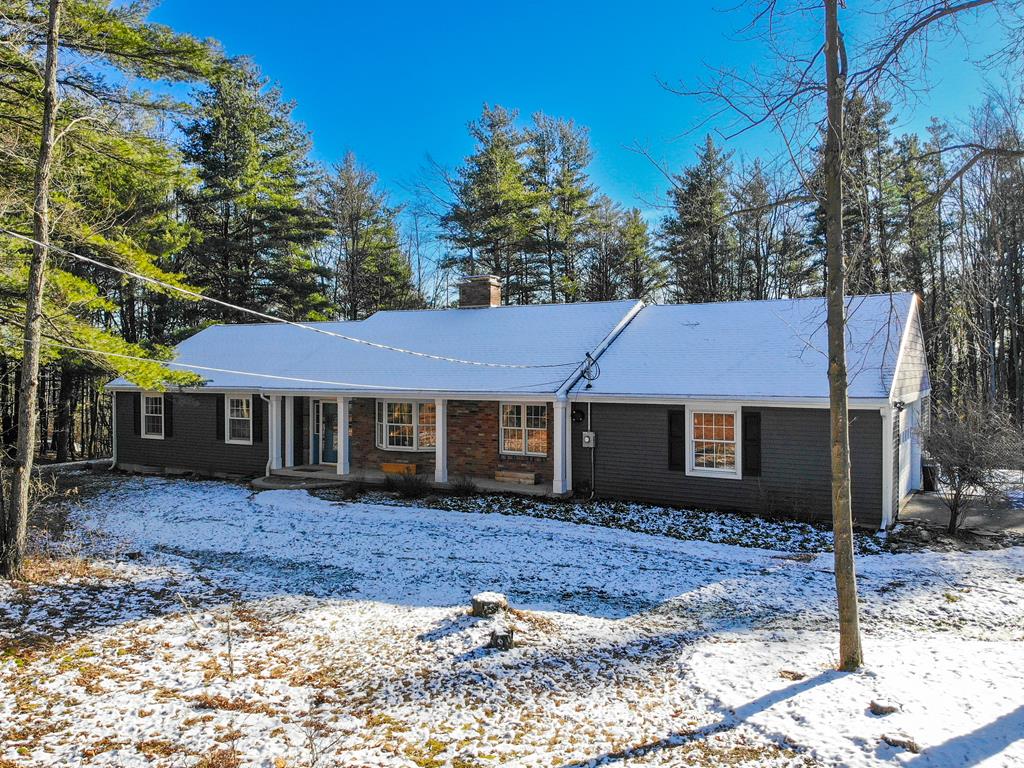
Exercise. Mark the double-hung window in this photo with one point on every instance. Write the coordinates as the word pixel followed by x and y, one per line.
pixel 153 416
pixel 239 420
pixel 712 442
pixel 406 425
pixel 524 429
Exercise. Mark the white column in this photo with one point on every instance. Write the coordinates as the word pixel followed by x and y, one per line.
pixel 274 431
pixel 558 481
pixel 343 446
pixel 289 431
pixel 441 441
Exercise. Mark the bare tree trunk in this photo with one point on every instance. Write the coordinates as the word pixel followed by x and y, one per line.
pixel 850 655
pixel 63 425
pixel 12 547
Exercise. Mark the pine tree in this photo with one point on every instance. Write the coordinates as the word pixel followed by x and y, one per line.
pixel 252 208
pixel 604 252
pixel 493 217
pixel 696 237
pixel 362 259
pixel 558 153
pixel 640 272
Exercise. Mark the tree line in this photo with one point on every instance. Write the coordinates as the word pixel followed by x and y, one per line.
pixel 211 186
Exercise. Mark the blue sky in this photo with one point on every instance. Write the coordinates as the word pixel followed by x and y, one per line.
pixel 397 82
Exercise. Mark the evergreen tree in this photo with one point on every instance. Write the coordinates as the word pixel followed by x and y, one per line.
pixel 605 252
pixel 640 273
pixel 493 217
pixel 696 237
pixel 558 153
pixel 252 208
pixel 362 259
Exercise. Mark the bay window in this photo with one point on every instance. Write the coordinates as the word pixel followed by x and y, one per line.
pixel 406 425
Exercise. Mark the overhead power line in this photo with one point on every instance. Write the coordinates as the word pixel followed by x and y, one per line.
pixel 272 318
pixel 271 376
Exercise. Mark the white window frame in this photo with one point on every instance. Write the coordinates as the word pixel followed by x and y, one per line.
pixel 228 419
pixel 524 429
pixel 691 409
pixel 380 427
pixel 163 416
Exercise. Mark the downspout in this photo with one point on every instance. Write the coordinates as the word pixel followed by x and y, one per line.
pixel 270 443
pixel 888 457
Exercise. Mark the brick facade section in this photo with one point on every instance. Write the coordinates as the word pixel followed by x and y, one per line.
pixel 473 443
pixel 363 442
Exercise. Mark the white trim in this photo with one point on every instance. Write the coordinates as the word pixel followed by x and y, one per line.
pixel 864 403
pixel 911 318
pixel 440 440
pixel 887 462
pixel 415 447
pixel 736 473
pixel 228 397
pixel 142 415
pixel 558 485
pixel 526 442
pixel 343 447
pixel 599 350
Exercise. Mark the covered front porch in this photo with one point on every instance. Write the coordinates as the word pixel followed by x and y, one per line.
pixel 500 446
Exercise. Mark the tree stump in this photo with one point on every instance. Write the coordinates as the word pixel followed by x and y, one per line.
pixel 488 604
pixel 502 636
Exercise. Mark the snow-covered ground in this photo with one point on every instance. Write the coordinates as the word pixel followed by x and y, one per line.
pixel 329 633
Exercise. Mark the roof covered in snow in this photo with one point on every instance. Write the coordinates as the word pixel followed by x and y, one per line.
pixel 518 349
pixel 751 350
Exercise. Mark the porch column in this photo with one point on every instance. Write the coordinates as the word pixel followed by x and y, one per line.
pixel 558 484
pixel 274 431
pixel 343 446
pixel 441 441
pixel 289 431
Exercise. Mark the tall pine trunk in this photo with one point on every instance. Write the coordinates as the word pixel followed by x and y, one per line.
pixel 850 655
pixel 12 548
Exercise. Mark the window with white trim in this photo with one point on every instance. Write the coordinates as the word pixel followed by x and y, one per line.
pixel 153 416
pixel 712 442
pixel 524 429
pixel 406 425
pixel 239 420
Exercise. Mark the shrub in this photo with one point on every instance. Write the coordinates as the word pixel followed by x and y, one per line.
pixel 463 486
pixel 969 444
pixel 407 486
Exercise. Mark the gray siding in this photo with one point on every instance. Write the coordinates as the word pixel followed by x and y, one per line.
pixel 631 462
pixel 193 444
pixel 911 375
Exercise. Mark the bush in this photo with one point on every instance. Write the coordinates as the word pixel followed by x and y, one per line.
pixel 970 443
pixel 463 486
pixel 407 486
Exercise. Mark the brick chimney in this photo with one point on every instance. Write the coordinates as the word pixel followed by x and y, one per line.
pixel 477 291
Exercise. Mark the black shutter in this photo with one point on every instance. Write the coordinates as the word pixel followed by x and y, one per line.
pixel 257 419
pixel 677 439
pixel 751 443
pixel 136 413
pixel 168 416
pixel 220 416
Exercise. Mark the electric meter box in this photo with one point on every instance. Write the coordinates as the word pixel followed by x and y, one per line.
pixel 589 439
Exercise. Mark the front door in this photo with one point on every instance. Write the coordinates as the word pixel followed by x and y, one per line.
pixel 329 432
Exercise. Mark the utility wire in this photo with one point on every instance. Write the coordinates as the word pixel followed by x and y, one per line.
pixel 275 377
pixel 272 318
